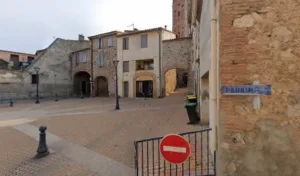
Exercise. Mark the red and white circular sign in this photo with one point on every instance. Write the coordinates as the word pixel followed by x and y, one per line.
pixel 175 149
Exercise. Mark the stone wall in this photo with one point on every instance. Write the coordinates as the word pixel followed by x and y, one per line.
pixel 176 54
pixel 54 72
pixel 81 67
pixel 260 42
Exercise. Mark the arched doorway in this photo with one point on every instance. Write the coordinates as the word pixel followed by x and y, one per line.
pixel 101 87
pixel 175 78
pixel 82 83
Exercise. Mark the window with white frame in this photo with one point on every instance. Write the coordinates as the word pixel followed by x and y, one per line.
pixel 110 41
pixel 100 43
pixel 101 61
pixel 144 41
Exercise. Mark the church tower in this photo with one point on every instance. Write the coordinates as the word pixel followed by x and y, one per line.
pixel 181 10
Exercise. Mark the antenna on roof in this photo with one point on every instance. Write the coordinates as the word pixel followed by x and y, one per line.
pixel 131 25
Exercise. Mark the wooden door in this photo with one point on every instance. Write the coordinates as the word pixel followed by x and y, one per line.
pixel 102 87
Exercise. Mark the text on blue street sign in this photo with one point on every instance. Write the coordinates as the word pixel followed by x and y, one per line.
pixel 247 90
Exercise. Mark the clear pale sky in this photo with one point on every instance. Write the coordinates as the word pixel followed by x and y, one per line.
pixel 29 25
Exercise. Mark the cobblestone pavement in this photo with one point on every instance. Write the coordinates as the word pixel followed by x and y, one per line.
pixel 94 124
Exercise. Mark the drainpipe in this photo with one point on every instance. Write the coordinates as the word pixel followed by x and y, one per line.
pixel 213 77
pixel 92 69
pixel 160 64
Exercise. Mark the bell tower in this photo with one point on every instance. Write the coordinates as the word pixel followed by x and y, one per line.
pixel 180 17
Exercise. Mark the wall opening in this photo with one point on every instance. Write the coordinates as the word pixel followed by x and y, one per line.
pixel 204 101
pixel 144 89
pixel 101 86
pixel 174 79
pixel 82 84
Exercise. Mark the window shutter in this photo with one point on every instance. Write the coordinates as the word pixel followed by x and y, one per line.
pixel 127 43
pixel 124 43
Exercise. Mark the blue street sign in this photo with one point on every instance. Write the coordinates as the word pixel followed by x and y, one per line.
pixel 247 90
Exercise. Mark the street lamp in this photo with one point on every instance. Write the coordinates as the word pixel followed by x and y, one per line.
pixel 91 86
pixel 117 90
pixel 56 97
pixel 37 99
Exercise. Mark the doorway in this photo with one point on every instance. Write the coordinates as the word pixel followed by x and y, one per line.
pixel 102 87
pixel 82 84
pixel 125 89
pixel 144 89
pixel 83 87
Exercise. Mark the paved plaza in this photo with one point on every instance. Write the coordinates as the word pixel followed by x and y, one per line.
pixel 85 136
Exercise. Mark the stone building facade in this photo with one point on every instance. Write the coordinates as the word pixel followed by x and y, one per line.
pixel 54 74
pixel 104 83
pixel 93 70
pixel 254 41
pixel 81 66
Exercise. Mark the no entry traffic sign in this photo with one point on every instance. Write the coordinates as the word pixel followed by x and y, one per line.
pixel 175 149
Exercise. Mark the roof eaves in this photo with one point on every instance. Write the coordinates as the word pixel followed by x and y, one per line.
pixel 105 34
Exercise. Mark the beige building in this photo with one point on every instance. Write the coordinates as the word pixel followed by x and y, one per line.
pixel 140 62
pixel 13 59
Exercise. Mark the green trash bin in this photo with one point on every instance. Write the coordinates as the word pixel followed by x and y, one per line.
pixel 192 99
pixel 192 113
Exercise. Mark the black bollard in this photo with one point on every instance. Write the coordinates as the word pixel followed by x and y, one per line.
pixel 42 150
pixel 56 97
pixel 11 103
pixel 82 96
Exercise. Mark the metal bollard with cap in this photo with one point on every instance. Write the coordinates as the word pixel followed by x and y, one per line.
pixel 42 150
pixel 11 103
pixel 56 97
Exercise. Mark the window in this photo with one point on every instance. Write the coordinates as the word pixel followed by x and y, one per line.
pixel 77 58
pixel 34 79
pixel 15 60
pixel 125 43
pixel 82 57
pixel 178 13
pixel 126 66
pixel 100 43
pixel 100 61
pixel 144 64
pixel 30 59
pixel 110 41
pixel 144 41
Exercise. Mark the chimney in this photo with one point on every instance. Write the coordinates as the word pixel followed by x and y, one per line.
pixel 166 27
pixel 81 37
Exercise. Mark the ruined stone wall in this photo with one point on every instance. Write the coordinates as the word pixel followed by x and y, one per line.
pixel 176 54
pixel 55 61
pixel 260 42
